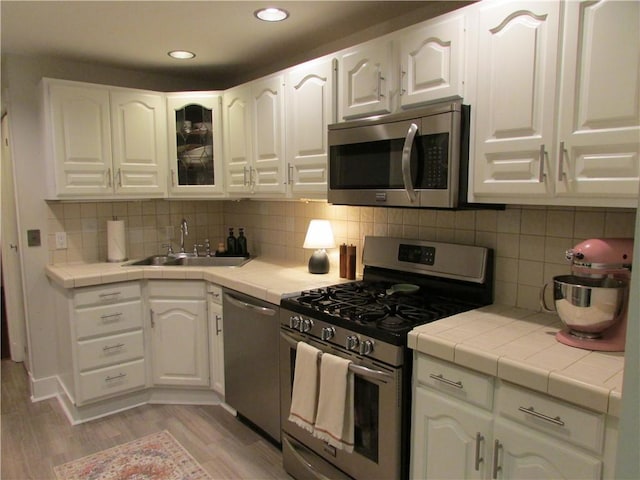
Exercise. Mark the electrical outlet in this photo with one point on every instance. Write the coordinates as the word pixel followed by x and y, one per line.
pixel 61 240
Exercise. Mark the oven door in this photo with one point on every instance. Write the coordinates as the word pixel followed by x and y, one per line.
pixel 377 420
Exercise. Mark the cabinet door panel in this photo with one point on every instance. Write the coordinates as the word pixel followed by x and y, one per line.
pixel 526 454
pixel 81 135
pixel 445 438
pixel 269 135
pixel 139 142
pixel 364 81
pixel 237 117
pixel 309 110
pixel 431 61
pixel 600 110
pixel 195 149
pixel 216 346
pixel 179 339
pixel 516 85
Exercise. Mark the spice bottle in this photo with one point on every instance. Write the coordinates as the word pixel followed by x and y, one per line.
pixel 351 262
pixel 232 244
pixel 242 243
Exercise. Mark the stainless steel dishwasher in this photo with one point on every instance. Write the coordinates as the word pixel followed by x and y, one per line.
pixel 251 329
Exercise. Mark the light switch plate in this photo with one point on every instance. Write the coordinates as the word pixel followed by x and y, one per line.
pixel 61 240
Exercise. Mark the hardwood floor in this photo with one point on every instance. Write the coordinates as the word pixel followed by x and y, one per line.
pixel 37 436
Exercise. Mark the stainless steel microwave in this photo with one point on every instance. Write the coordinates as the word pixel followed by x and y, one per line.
pixel 416 158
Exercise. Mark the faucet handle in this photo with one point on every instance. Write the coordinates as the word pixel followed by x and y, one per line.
pixel 207 247
pixel 169 248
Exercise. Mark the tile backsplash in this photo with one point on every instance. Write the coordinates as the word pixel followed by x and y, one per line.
pixel 529 241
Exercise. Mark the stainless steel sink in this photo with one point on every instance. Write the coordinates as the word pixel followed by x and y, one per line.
pixel 212 261
pixel 155 260
pixel 189 261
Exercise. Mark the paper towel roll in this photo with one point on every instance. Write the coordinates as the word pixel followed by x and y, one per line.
pixel 116 241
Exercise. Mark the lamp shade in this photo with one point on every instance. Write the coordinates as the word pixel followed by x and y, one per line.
pixel 319 235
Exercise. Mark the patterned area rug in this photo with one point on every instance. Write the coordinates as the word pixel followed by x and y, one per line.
pixel 158 456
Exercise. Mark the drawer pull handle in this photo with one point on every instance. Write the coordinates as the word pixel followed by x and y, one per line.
pixel 108 296
pixel 442 379
pixel 479 459
pixel 117 377
pixel 218 329
pixel 111 316
pixel 496 454
pixel 106 348
pixel 531 411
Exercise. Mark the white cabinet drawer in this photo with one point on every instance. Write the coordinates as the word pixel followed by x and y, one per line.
pixel 551 416
pixel 177 289
pixel 105 320
pixel 110 350
pixel 215 293
pixel 111 380
pixel 106 294
pixel 459 382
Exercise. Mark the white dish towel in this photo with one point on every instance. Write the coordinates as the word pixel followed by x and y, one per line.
pixel 334 421
pixel 304 397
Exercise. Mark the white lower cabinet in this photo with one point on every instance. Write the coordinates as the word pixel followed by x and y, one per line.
pixel 179 333
pixel 519 452
pixel 449 438
pixel 216 339
pixel 465 427
pixel 100 341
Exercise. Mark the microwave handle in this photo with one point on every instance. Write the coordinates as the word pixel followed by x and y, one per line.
pixel 406 162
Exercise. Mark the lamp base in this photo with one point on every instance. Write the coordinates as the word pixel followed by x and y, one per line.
pixel 319 262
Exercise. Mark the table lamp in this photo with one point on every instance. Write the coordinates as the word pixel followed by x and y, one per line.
pixel 319 236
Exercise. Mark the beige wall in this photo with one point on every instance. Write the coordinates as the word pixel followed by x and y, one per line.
pixel 529 241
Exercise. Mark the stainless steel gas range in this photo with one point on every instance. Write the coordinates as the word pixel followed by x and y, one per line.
pixel 406 283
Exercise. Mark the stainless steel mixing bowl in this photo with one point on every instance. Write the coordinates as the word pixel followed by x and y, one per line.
pixel 589 306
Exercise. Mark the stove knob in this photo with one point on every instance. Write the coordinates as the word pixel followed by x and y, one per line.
pixel 327 333
pixel 366 347
pixel 352 342
pixel 305 325
pixel 294 322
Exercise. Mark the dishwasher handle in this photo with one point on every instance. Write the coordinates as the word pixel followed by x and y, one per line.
pixel 248 306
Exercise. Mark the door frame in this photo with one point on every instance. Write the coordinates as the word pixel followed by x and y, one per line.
pixel 11 252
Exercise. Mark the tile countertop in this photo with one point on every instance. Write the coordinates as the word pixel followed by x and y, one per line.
pixel 519 346
pixel 261 277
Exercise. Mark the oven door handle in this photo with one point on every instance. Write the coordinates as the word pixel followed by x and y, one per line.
pixel 406 162
pixel 365 372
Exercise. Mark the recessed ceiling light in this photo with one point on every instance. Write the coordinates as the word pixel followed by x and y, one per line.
pixel 271 14
pixel 181 54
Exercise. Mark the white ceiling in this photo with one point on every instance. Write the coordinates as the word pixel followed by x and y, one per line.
pixel 231 45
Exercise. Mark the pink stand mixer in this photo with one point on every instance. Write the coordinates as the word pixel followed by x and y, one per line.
pixel 592 301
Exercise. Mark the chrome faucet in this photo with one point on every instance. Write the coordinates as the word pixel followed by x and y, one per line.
pixel 184 231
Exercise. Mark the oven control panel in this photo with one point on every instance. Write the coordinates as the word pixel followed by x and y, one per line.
pixel 416 254
pixel 341 338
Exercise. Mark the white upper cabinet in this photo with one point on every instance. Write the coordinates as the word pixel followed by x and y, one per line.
pixel 267 175
pixel 567 136
pixel 365 80
pixel 105 142
pixel 514 111
pixel 310 108
pixel 237 139
pixel 254 137
pixel 432 61
pixel 599 114
pixel 195 144
pixel 139 142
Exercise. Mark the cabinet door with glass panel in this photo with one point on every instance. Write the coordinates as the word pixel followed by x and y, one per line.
pixel 195 146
